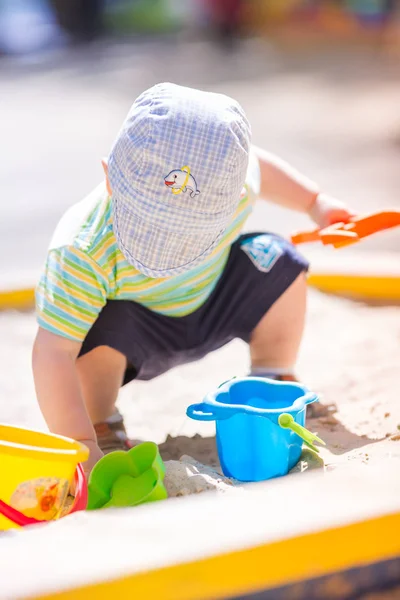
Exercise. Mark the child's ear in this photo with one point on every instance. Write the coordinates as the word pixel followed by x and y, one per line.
pixel 105 169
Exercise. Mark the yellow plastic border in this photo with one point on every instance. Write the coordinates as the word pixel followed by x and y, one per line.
pixel 257 568
pixel 361 275
pixel 17 299
pixel 362 287
pixel 322 530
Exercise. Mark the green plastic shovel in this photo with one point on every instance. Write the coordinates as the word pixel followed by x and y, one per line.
pixel 286 421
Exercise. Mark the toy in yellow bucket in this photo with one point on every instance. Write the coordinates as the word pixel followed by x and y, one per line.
pixel 37 470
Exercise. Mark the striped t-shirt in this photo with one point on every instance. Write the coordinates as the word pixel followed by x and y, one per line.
pixel 85 268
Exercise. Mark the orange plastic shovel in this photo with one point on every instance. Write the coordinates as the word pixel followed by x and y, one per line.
pixel 344 234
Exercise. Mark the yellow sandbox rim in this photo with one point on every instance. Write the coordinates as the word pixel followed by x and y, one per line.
pixel 276 533
pixel 357 286
pixel 372 287
pixel 17 299
pixel 362 275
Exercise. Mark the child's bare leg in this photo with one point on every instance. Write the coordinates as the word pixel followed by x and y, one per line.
pixel 275 342
pixel 101 372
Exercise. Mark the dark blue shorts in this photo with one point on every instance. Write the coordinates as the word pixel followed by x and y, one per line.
pixel 259 270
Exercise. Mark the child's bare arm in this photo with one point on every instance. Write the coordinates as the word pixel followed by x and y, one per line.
pixel 58 390
pixel 283 184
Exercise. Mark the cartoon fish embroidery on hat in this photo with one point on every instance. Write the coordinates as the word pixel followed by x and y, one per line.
pixel 180 180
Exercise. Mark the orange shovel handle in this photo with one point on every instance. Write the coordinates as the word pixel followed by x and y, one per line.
pixel 342 234
pixel 305 237
pixel 329 235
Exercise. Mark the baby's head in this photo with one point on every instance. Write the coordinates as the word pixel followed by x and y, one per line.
pixel 175 174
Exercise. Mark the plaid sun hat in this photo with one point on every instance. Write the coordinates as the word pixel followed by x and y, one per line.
pixel 176 170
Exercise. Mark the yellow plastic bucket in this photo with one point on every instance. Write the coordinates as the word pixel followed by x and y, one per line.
pixel 36 471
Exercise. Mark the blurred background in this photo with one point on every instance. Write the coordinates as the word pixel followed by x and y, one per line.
pixel 319 79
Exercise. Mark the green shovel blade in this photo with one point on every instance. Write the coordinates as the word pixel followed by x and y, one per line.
pixel 286 421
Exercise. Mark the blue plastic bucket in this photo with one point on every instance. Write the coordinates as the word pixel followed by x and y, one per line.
pixel 251 445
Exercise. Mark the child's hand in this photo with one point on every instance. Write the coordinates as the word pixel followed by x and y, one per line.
pixel 327 210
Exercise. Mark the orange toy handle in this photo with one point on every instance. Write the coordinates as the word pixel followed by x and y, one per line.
pixel 329 235
pixel 306 237
pixel 342 234
pixel 80 502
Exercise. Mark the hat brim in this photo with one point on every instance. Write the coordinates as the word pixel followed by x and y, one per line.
pixel 159 253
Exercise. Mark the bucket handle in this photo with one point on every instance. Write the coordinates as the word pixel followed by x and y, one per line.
pixel 80 502
pixel 208 411
pixel 196 412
